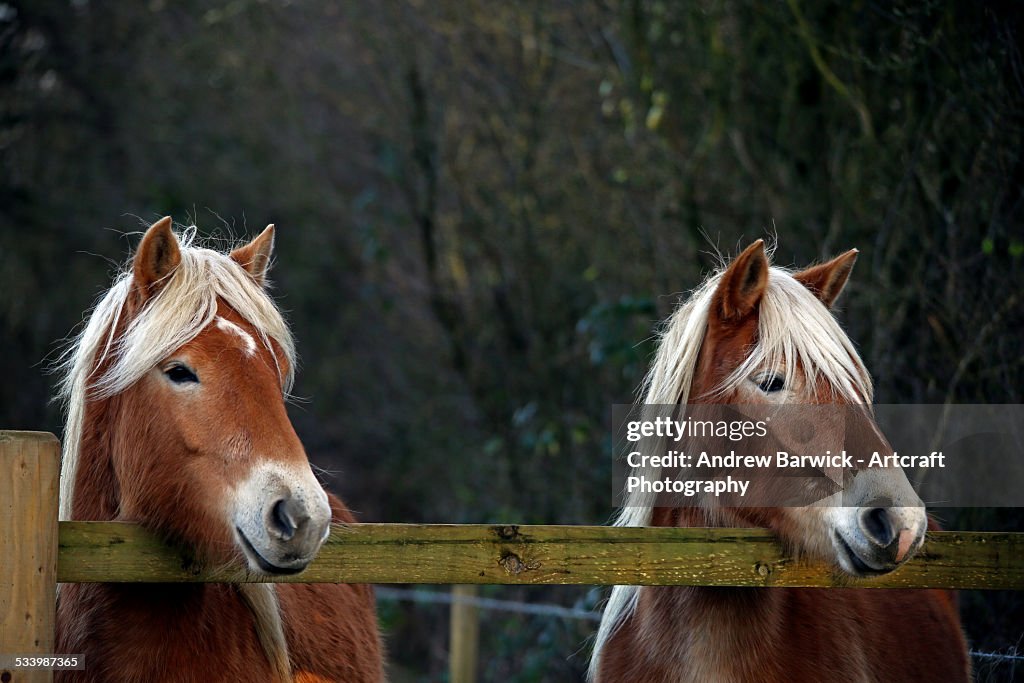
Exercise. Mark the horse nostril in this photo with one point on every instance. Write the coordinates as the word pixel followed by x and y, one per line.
pixel 878 526
pixel 282 520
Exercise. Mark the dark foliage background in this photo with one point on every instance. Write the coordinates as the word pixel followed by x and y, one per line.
pixel 484 209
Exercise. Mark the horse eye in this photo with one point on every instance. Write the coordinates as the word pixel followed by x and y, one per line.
pixel 772 383
pixel 181 374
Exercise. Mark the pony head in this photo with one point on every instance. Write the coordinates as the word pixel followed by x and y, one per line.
pixel 759 335
pixel 770 338
pixel 176 392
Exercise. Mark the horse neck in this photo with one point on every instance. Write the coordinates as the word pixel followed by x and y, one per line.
pixel 96 489
pixel 713 632
pixel 740 618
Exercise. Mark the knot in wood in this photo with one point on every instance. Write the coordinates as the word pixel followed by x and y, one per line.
pixel 514 565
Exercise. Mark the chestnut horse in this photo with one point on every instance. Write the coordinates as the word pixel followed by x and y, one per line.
pixel 759 334
pixel 175 396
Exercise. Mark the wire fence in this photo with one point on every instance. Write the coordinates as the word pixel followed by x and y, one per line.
pixel 442 598
pixel 388 594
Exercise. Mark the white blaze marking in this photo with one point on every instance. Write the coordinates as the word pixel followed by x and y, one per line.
pixel 228 326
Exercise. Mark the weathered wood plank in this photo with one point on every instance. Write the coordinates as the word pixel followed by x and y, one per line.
pixel 29 476
pixel 509 554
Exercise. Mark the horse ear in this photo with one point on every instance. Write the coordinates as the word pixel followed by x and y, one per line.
pixel 743 283
pixel 255 256
pixel 827 280
pixel 158 254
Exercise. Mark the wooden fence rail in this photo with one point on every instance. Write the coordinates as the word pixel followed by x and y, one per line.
pixel 548 554
pixel 37 552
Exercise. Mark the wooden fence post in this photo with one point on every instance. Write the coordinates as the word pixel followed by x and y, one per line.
pixel 465 635
pixel 29 486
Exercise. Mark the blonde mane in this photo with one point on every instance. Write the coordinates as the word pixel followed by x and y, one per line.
pixel 795 330
pixel 184 306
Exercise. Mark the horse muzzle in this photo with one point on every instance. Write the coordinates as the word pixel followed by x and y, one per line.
pixel 280 520
pixel 877 540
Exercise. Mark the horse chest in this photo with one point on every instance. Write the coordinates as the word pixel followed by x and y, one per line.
pixel 190 634
pixel 738 636
pixel 716 649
